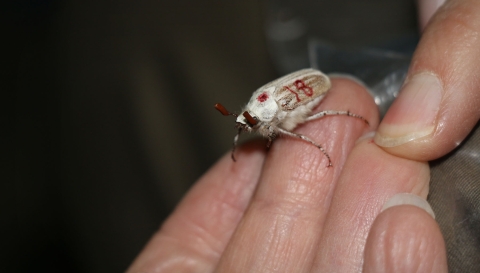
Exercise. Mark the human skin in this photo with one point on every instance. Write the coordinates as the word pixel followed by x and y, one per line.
pixel 285 211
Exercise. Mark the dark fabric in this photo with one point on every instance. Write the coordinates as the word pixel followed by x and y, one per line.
pixel 455 199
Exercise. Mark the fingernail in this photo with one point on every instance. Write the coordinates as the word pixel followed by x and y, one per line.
pixel 426 9
pixel 413 114
pixel 409 199
pixel 365 136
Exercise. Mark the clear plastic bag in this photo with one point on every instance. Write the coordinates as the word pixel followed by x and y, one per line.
pixel 382 71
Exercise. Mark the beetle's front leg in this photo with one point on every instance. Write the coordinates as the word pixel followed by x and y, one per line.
pixel 271 137
pixel 269 143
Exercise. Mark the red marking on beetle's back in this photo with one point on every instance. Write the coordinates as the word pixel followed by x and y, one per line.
pixel 262 97
pixel 301 86
pixel 296 94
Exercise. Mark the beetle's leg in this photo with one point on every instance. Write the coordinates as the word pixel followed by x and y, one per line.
pixel 335 113
pixel 235 141
pixel 302 137
pixel 271 137
pixel 269 142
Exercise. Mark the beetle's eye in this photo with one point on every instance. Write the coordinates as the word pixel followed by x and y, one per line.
pixel 250 119
pixel 262 97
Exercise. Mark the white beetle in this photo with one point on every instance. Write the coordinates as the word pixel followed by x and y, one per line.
pixel 279 106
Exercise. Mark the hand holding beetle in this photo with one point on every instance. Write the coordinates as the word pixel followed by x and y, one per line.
pixel 284 211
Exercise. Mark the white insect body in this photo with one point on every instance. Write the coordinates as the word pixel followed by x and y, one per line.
pixel 279 106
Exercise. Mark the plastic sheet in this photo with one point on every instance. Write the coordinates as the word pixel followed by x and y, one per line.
pixel 382 71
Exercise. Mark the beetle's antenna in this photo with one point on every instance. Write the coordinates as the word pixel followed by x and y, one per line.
pixel 224 110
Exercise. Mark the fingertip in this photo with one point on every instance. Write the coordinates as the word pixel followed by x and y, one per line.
pixel 413 114
pixel 405 238
pixel 438 105
pixel 426 9
pixel 409 199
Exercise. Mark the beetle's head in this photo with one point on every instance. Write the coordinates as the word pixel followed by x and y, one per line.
pixel 245 122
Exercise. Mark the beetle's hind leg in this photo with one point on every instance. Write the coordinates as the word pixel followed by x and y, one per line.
pixel 335 113
pixel 304 138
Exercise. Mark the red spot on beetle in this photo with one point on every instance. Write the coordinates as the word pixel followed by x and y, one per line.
pixel 262 97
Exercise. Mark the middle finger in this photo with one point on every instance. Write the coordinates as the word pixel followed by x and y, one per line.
pixel 284 220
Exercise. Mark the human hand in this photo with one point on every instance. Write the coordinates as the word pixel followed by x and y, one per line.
pixel 286 211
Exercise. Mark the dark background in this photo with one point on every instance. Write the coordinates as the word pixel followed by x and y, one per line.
pixel 113 115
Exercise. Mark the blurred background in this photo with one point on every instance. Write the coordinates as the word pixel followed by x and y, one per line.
pixel 113 108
